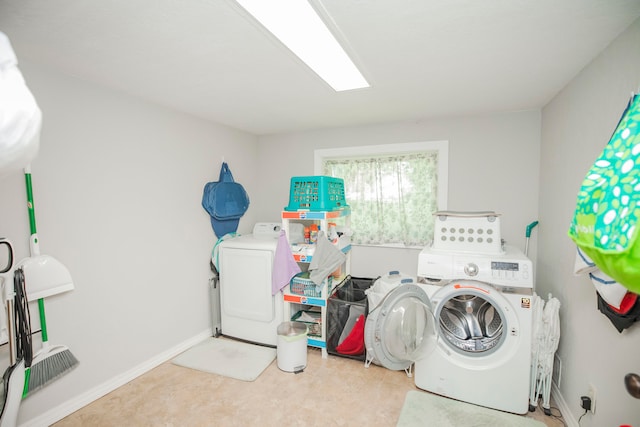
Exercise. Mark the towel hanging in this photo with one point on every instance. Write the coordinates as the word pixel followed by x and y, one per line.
pixel 326 258
pixel 284 265
pixel 610 290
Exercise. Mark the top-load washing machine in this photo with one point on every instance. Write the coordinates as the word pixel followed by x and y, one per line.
pixel 467 325
pixel 248 310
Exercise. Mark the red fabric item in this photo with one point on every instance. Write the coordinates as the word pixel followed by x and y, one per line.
pixel 353 344
pixel 626 304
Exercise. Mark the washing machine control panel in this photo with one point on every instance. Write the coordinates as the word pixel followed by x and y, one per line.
pixel 510 268
pixel 500 271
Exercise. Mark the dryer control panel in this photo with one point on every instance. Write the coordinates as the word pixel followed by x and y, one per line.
pixel 510 268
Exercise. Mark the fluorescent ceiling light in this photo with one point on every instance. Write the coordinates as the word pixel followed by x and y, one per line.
pixel 296 24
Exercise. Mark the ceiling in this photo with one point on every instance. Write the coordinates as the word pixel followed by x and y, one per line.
pixel 423 58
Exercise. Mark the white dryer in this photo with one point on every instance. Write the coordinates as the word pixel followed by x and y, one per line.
pixel 466 324
pixel 248 310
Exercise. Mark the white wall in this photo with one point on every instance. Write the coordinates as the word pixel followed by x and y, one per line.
pixel 118 185
pixel 493 165
pixel 576 126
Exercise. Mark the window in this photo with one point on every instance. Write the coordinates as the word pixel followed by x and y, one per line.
pixel 393 190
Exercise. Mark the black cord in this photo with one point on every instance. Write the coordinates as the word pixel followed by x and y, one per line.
pixel 24 348
pixel 585 413
pixel 557 417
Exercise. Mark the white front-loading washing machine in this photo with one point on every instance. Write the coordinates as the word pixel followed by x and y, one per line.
pixel 466 324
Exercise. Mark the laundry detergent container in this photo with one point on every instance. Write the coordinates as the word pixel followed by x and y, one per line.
pixel 347 309
pixel 291 351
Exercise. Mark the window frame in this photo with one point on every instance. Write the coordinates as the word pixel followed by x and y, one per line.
pixel 364 151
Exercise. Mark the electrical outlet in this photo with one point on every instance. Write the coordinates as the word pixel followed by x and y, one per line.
pixel 592 395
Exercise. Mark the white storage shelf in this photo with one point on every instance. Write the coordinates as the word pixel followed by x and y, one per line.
pixel 303 253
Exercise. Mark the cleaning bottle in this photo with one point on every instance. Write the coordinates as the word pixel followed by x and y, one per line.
pixel 313 233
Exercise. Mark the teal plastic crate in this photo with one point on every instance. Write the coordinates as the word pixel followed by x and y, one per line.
pixel 316 193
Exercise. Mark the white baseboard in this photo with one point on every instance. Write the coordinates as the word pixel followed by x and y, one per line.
pixel 70 406
pixel 567 415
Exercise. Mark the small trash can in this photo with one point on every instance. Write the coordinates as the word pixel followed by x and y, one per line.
pixel 291 351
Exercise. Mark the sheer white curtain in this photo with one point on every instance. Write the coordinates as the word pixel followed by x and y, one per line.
pixel 392 196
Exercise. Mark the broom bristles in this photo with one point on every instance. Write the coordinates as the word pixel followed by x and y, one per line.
pixel 53 364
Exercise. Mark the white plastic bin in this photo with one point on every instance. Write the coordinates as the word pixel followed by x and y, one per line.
pixel 291 350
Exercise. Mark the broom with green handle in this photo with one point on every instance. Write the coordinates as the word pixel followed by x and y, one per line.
pixel 51 361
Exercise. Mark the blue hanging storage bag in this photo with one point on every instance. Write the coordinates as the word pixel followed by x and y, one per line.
pixel 225 201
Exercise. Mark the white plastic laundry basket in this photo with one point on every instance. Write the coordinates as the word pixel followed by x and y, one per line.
pixel 292 346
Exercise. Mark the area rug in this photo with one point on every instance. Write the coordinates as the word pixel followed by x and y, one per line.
pixel 234 359
pixel 423 409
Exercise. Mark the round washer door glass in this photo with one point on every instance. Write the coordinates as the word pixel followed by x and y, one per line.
pixel 471 321
pixel 401 329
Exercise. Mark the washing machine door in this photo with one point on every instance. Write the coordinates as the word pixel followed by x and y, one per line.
pixel 401 329
pixel 473 318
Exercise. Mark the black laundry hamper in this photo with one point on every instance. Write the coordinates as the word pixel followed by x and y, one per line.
pixel 347 309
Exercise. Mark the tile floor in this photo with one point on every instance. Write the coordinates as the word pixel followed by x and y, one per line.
pixel 334 391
